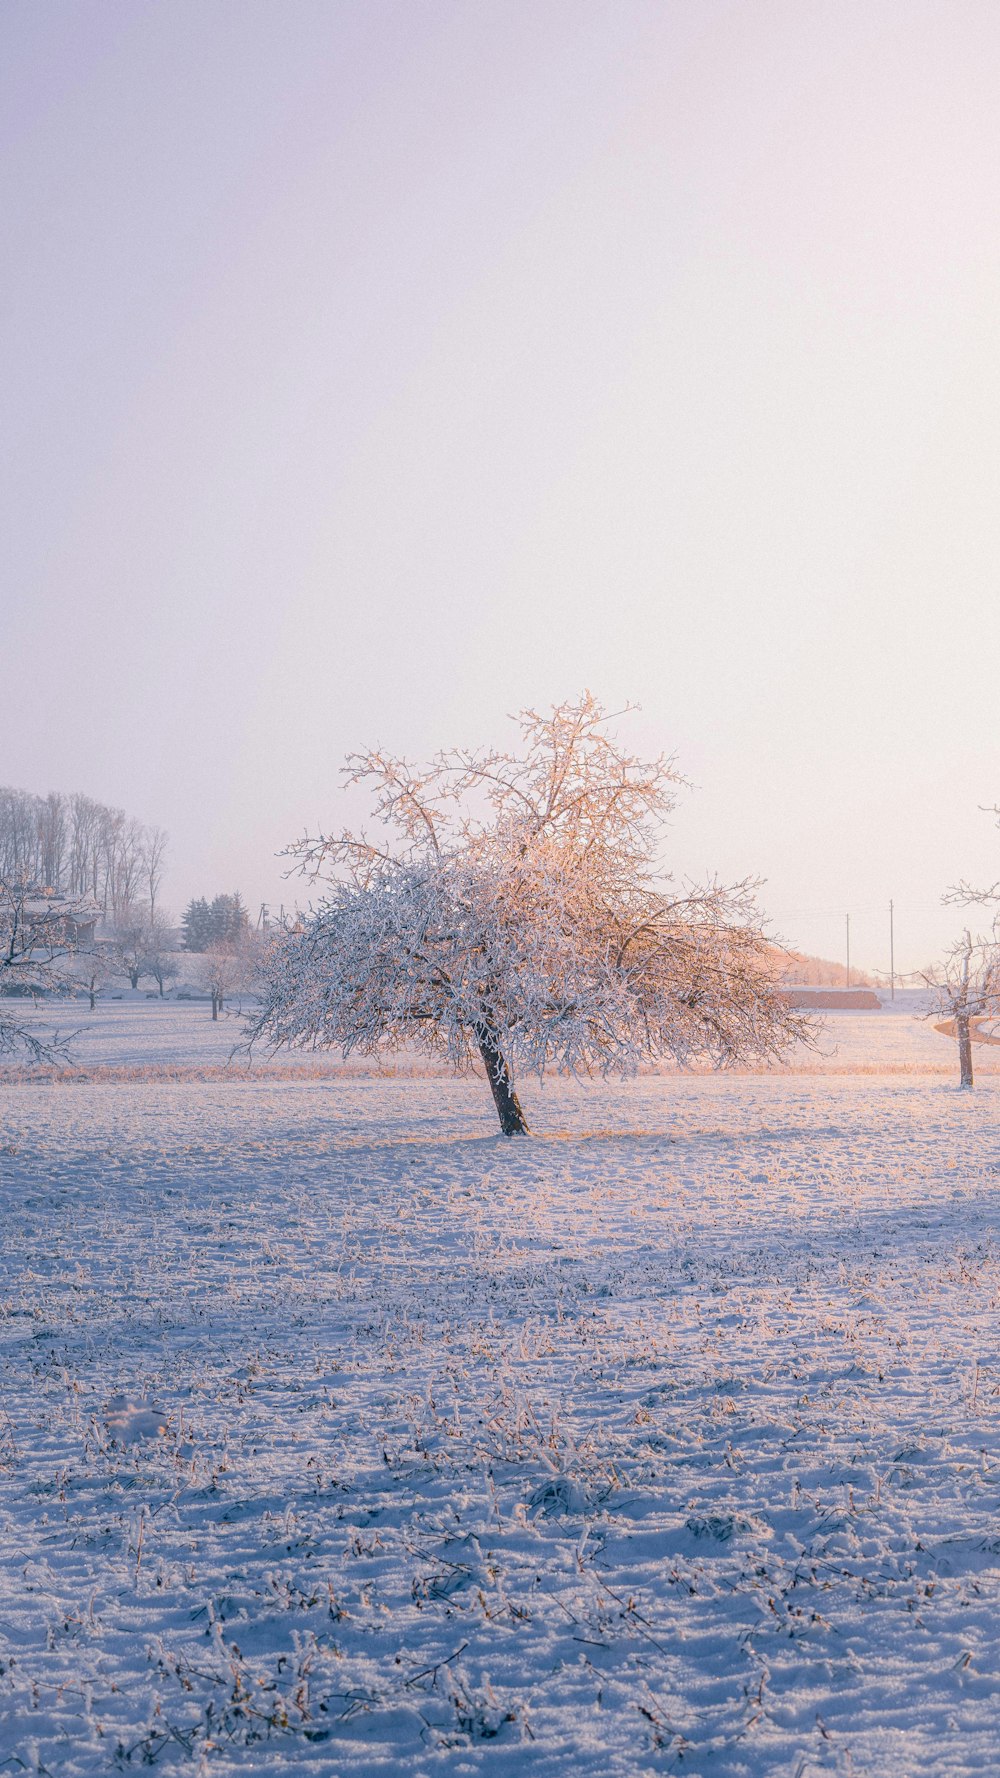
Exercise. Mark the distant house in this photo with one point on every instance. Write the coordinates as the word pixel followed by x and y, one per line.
pixel 56 922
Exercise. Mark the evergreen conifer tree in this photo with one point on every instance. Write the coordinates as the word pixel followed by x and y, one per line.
pixel 196 925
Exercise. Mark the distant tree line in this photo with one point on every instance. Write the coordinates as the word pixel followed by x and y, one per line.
pixel 209 925
pixel 76 846
pixel 819 972
pixel 79 909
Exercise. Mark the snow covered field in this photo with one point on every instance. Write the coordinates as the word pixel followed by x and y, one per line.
pixel 138 1037
pixel 338 1435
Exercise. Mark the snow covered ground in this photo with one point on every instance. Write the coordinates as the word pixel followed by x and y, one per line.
pixel 339 1436
pixel 134 1036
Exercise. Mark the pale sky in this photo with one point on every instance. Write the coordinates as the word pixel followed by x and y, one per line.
pixel 371 370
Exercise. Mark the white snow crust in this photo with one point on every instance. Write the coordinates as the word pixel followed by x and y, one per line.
pixel 340 1436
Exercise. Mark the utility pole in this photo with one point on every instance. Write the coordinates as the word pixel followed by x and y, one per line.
pixel 892 956
pixel 848 919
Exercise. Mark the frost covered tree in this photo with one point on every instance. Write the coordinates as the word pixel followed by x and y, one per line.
pixel 159 952
pixel 38 955
pixel 130 943
pixel 94 970
pixel 227 968
pixel 515 913
pixel 967 985
pixel 143 945
pixel 966 989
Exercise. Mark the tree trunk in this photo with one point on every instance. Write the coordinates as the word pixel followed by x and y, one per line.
pixel 512 1120
pixel 964 1049
pixel 215 1006
pixel 93 999
pixel 133 976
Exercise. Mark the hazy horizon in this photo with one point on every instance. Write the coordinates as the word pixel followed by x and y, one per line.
pixel 372 371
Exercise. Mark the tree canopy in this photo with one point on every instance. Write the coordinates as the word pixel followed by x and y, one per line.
pixel 516 911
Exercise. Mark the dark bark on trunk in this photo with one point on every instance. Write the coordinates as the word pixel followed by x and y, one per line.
pixel 964 1049
pixel 93 999
pixel 512 1119
pixel 133 976
pixel 215 1006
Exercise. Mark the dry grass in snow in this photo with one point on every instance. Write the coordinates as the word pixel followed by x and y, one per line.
pixel 338 1435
